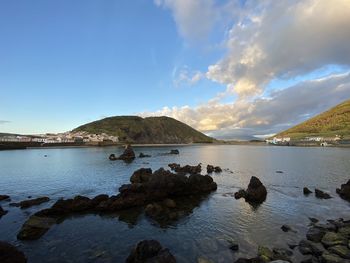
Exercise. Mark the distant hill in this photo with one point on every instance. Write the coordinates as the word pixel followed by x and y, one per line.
pixel 335 121
pixel 134 129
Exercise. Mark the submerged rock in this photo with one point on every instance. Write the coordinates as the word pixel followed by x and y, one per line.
pixel 187 169
pixel 255 193
pixel 2 212
pixel 112 157
pixel 175 151
pixel 31 202
pixel 344 191
pixel 4 197
pixel 10 254
pixel 306 191
pixel 142 155
pixel 217 169
pixel 286 228
pixel 210 168
pixel 315 234
pixel 150 251
pixel 322 195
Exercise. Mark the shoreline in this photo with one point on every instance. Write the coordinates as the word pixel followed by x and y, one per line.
pixel 11 147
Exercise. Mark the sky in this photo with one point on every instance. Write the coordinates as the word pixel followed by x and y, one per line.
pixel 232 69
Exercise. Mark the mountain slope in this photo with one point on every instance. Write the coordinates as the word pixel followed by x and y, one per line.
pixel 134 129
pixel 335 121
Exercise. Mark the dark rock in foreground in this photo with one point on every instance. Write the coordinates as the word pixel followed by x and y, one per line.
pixel 10 254
pixel 31 202
pixel 344 191
pixel 4 197
pixel 306 191
pixel 187 169
pixel 128 155
pixel 322 195
pixel 255 193
pixel 150 251
pixel 146 187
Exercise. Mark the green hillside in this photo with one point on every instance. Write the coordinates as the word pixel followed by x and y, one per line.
pixel 134 129
pixel 335 121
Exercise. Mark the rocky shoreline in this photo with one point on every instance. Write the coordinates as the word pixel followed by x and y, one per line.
pixel 166 196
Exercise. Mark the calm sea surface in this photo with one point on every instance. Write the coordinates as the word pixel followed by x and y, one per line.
pixel 204 232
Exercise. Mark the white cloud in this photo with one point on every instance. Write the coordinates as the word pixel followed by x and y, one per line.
pixel 193 18
pixel 4 122
pixel 283 39
pixel 281 110
pixel 187 77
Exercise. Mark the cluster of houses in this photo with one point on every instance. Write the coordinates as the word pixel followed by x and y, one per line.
pixel 323 141
pixel 67 137
pixel 278 140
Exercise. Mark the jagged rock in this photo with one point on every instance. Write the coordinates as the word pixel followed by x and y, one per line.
pixel 187 169
pixel 175 151
pixel 4 197
pixel 322 195
pixel 128 154
pixel 210 169
pixel 142 155
pixel 307 247
pixel 146 187
pixel 2 212
pixel 255 193
pixel 306 191
pixel 344 191
pixel 341 251
pixel 315 234
pixel 332 239
pixel 10 254
pixel 31 202
pixel 141 175
pixel 150 251
pixel 328 257
pixel 112 157
pixel 217 169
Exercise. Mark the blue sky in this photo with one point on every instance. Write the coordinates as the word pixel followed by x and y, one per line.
pixel 65 63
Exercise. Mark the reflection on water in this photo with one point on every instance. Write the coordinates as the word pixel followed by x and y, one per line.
pixel 205 229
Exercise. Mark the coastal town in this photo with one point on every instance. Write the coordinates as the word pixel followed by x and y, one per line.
pixel 309 141
pixel 80 138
